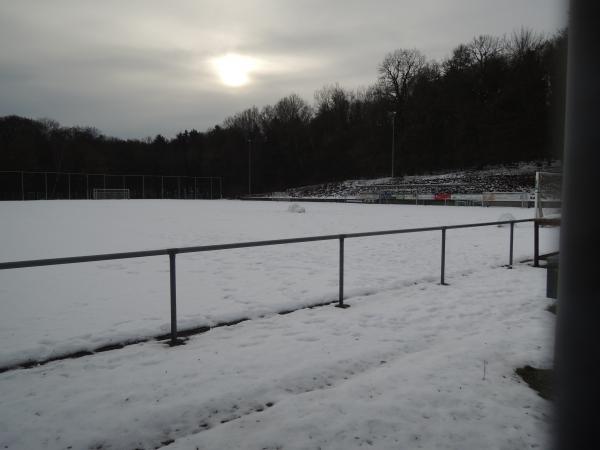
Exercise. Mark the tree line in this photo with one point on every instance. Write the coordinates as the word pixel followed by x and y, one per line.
pixel 493 100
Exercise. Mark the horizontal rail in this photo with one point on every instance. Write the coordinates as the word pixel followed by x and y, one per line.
pixel 208 248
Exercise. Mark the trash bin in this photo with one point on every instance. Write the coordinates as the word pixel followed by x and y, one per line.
pixel 552 277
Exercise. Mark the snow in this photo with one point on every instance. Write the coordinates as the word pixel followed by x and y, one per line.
pixel 296 208
pixel 398 369
pixel 403 367
pixel 516 177
pixel 54 310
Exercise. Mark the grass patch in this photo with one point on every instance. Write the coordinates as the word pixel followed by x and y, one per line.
pixel 540 380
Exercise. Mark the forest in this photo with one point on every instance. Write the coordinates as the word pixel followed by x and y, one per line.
pixel 493 100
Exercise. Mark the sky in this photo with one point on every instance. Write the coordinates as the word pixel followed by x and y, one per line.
pixel 138 68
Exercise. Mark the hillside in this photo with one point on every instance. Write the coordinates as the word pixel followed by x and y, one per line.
pixel 518 177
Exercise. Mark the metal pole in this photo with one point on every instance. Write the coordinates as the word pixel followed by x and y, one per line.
pixel 443 265
pixel 46 184
pixel 249 166
pixel 340 303
pixel 22 187
pixel 174 340
pixel 576 368
pixel 393 140
pixel 510 257
pixel 536 244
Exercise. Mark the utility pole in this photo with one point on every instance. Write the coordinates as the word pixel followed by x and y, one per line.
pixel 249 166
pixel 393 116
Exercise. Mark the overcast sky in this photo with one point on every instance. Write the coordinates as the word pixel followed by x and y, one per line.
pixel 134 68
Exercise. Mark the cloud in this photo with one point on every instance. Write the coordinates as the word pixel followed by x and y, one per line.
pixel 142 67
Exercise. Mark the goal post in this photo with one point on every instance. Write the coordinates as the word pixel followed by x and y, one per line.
pixel 548 188
pixel 111 194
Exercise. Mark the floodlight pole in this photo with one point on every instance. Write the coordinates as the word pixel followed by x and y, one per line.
pixel 393 115
pixel 249 166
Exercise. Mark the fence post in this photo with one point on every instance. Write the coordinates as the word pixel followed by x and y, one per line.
pixel 174 340
pixel 69 182
pixel 22 187
pixel 510 255
pixel 87 187
pixel 341 281
pixel 143 187
pixel 46 184
pixel 443 262
pixel 536 244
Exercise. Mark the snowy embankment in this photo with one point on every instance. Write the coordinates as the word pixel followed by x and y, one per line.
pixel 519 177
pixel 402 368
pixel 54 310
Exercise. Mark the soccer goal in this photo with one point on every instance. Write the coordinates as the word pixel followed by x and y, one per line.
pixel 111 194
pixel 548 187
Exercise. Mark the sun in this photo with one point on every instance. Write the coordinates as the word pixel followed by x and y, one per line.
pixel 233 69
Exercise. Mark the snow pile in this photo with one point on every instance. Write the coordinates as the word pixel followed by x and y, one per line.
pixel 296 208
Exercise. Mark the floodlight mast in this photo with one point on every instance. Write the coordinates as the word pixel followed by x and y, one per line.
pixel 393 116
pixel 249 166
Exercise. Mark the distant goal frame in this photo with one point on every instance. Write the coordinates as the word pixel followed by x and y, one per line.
pixel 111 194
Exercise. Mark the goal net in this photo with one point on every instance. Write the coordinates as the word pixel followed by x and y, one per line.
pixel 548 187
pixel 111 194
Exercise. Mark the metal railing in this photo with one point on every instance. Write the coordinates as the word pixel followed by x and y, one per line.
pixel 172 252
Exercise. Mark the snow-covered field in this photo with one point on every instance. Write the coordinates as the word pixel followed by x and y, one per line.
pixel 50 310
pixel 402 368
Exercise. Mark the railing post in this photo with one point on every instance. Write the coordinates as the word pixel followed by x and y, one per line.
pixel 174 340
pixel 443 262
pixel 536 244
pixel 510 254
pixel 340 303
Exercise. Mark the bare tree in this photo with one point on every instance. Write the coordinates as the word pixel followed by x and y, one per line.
pixel 291 108
pixel 248 121
pixel 524 42
pixel 397 73
pixel 485 47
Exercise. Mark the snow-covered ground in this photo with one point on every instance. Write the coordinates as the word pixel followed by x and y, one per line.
pixel 402 368
pixel 52 310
